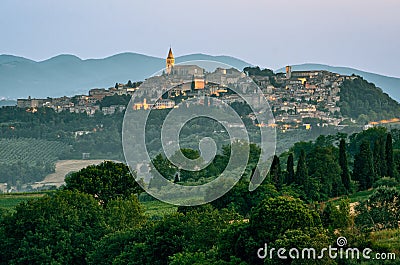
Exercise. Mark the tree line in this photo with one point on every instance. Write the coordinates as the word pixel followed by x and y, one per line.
pixel 96 218
pixel 328 167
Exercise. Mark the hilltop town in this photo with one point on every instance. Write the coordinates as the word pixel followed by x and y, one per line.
pixel 298 99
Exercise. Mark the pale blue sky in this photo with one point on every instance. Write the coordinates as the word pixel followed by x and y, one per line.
pixel 363 34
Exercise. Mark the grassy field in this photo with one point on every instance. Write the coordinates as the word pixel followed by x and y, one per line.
pixel 63 167
pixel 152 208
pixel 361 195
pixel 11 200
pixel 358 196
pixel 387 240
pixel 158 208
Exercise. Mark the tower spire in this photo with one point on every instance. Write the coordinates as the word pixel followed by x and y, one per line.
pixel 170 61
pixel 170 54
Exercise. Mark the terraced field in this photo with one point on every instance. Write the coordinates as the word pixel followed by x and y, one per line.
pixel 30 150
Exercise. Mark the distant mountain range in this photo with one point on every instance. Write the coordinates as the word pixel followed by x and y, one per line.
pixel 6 102
pixel 67 75
pixel 389 85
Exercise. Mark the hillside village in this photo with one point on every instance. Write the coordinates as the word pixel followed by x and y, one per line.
pixel 304 96
pixel 88 104
pixel 298 99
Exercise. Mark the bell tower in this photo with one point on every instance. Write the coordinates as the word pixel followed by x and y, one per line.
pixel 170 62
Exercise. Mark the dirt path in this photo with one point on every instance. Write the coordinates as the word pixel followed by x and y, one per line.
pixel 352 206
pixel 63 167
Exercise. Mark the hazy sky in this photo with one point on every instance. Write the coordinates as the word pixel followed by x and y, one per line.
pixel 363 34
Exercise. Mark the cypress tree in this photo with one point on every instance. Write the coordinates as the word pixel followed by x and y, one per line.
pixel 380 157
pixel 177 177
pixel 276 173
pixel 301 170
pixel 391 171
pixel 290 169
pixel 309 184
pixel 364 167
pixel 345 175
pixel 377 158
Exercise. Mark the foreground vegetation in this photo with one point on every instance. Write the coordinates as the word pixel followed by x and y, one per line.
pixel 152 209
pixel 71 227
pixel 314 193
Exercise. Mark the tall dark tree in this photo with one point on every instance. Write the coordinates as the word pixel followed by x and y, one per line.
pixel 309 185
pixel 363 170
pixel 324 180
pixel 129 84
pixel 177 177
pixel 290 169
pixel 193 84
pixel 301 170
pixel 276 173
pixel 391 171
pixel 380 157
pixel 345 175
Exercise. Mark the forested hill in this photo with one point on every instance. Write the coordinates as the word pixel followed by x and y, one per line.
pixel 364 102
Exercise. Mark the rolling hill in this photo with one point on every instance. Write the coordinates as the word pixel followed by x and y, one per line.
pixel 6 102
